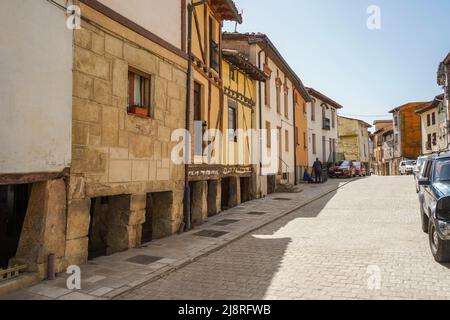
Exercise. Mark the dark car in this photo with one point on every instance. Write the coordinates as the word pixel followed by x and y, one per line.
pixel 346 170
pixel 434 197
pixel 332 172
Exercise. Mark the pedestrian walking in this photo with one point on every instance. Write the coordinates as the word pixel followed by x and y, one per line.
pixel 317 167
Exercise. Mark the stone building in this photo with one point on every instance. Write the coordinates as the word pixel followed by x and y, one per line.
pixel 432 119
pixel 128 97
pixel 323 128
pixel 382 127
pixel 35 157
pixel 274 109
pixel 443 80
pixel 354 139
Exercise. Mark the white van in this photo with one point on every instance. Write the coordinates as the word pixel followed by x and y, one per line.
pixel 407 167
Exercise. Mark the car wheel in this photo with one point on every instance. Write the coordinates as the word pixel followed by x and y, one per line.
pixel 424 219
pixel 439 248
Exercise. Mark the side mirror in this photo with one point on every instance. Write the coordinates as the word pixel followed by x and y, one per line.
pixel 424 182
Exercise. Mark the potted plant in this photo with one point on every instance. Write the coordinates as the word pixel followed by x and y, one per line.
pixel 139 111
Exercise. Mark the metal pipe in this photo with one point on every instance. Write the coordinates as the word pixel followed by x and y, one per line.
pixel 187 148
pixel 260 116
pixel 51 260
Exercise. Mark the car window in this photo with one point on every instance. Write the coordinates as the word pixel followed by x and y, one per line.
pixel 426 169
pixel 442 170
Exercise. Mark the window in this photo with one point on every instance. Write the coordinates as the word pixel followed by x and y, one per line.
pixel 304 107
pixel 232 74
pixel 139 93
pixel 197 102
pixel 434 139
pixel 213 46
pixel 268 135
pixel 314 143
pixel 278 98
pixel 267 84
pixel 305 144
pixel 232 120
pixel 297 138
pixel 333 120
pixel 313 111
pixel 286 134
pixel 428 120
pixel 433 118
pixel 286 103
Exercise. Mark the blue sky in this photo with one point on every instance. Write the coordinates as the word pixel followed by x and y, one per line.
pixel 369 72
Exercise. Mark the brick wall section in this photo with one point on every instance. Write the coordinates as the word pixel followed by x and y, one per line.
pixel 114 152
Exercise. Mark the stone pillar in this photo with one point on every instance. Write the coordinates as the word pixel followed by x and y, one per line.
pixel 78 221
pixel 126 216
pixel 199 202
pixel 44 228
pixel 214 197
pixel 163 208
pixel 235 192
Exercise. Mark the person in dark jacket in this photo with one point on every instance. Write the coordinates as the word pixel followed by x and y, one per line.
pixel 317 167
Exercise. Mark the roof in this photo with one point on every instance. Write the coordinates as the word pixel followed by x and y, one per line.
pixel 238 60
pixel 432 105
pixel 227 10
pixel 410 104
pixel 385 129
pixel 360 121
pixel 447 59
pixel 324 98
pixel 255 38
pixel 381 121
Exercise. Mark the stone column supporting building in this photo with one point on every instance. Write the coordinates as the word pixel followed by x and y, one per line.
pixel 43 230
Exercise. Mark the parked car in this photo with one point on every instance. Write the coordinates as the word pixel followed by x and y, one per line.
pixel 407 167
pixel 360 169
pixel 332 172
pixel 418 170
pixel 434 198
pixel 346 170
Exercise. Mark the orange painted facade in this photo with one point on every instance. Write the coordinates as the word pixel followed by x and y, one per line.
pixel 410 130
pixel 301 130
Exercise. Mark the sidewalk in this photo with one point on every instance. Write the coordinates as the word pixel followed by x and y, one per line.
pixel 109 277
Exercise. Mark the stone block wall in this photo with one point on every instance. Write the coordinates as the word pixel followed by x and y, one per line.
pixel 114 152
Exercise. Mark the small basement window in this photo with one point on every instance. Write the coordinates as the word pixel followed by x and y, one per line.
pixel 139 93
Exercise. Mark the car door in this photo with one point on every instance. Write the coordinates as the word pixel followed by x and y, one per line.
pixel 427 192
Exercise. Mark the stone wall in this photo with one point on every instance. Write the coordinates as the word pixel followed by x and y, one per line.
pixel 116 153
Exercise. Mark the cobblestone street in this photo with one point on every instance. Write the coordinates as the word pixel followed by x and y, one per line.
pixel 330 249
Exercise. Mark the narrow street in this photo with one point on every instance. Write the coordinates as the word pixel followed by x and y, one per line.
pixel 362 242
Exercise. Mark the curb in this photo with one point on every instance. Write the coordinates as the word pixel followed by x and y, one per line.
pixel 185 263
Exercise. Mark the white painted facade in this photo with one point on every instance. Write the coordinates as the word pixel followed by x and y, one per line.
pixel 430 131
pixel 279 123
pixel 322 143
pixel 152 15
pixel 35 87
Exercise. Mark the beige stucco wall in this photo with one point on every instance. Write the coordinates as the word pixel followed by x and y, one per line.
pixel 35 87
pixel 152 15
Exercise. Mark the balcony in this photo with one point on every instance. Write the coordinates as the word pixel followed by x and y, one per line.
pixel 326 124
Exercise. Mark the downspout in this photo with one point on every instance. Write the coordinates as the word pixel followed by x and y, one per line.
pixel 260 115
pixel 295 139
pixel 187 147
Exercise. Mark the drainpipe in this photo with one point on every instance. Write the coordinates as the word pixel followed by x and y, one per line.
pixel 295 139
pixel 260 115
pixel 187 190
